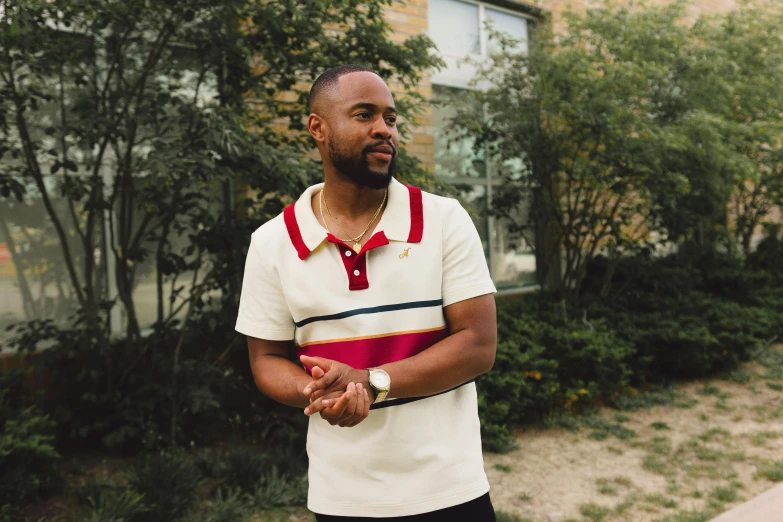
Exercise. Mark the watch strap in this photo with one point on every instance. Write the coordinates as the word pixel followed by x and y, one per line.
pixel 380 393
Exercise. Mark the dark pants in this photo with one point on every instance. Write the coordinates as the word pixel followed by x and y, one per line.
pixel 478 510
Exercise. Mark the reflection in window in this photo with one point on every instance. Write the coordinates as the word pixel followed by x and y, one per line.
pixel 513 262
pixel 34 281
pixel 453 158
pixel 454 27
pixel 510 258
pixel 474 199
pixel 513 26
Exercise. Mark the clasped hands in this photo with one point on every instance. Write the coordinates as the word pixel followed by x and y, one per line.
pixel 338 392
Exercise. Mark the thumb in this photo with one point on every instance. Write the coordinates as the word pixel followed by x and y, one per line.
pixel 324 364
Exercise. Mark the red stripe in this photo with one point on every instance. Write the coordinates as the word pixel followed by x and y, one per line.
pixel 289 216
pixel 417 215
pixel 367 353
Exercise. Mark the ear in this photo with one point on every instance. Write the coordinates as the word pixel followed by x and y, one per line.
pixel 316 124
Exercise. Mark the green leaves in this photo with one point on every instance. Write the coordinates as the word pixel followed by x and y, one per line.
pixel 632 121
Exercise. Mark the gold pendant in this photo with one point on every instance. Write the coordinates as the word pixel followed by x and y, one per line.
pixel 357 247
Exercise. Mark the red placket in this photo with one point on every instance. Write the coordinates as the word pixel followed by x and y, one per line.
pixel 356 264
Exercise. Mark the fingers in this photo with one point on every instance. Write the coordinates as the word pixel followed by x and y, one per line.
pixel 336 408
pixel 322 382
pixel 363 406
pixel 324 364
pixel 317 373
pixel 351 408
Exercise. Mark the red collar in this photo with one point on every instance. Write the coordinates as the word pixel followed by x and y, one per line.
pixel 403 219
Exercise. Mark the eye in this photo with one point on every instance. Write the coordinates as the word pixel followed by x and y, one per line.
pixel 391 119
pixel 363 115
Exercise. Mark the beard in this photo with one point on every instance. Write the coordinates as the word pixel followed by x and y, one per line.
pixel 357 168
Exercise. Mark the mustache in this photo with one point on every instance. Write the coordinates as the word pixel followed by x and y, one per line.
pixel 369 148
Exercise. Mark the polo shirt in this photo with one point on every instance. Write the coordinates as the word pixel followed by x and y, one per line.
pixel 384 304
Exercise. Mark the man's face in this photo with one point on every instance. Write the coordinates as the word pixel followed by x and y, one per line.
pixel 362 136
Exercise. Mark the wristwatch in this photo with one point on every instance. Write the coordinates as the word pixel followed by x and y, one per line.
pixel 380 383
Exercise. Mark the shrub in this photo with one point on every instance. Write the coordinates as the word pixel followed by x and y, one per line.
pixel 104 395
pixel 29 463
pixel 542 365
pixel 276 490
pixel 686 315
pixel 768 253
pixel 232 506
pixel 168 483
pixel 273 478
pixel 110 502
pixel 245 467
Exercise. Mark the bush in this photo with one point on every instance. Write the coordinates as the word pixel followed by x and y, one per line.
pixel 105 395
pixel 168 483
pixel 273 478
pixel 29 463
pixel 276 490
pixel 681 316
pixel 768 253
pixel 687 316
pixel 230 507
pixel 109 502
pixel 543 365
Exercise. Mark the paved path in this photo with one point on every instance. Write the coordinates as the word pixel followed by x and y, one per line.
pixel 767 507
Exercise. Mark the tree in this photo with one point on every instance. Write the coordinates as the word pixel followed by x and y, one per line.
pixel 744 51
pixel 138 111
pixel 575 126
pixel 171 129
pixel 633 122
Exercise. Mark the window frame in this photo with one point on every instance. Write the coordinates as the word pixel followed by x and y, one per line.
pixel 460 81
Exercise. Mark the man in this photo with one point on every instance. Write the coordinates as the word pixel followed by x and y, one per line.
pixel 386 294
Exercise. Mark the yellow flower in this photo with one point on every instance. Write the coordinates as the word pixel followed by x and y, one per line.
pixel 582 391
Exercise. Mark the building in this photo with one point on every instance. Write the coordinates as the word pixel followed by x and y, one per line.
pixel 457 28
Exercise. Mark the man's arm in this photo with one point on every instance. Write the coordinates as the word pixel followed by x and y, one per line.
pixel 275 374
pixel 466 353
pixel 282 380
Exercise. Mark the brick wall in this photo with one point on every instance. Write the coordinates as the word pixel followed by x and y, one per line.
pixel 697 7
pixel 406 20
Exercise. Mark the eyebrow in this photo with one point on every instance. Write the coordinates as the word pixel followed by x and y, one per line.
pixel 372 107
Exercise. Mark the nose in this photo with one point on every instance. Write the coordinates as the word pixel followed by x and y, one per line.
pixel 380 130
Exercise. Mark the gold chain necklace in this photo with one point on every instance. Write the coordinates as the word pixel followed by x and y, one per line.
pixel 357 247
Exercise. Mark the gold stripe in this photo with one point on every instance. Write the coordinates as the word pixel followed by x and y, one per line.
pixel 378 336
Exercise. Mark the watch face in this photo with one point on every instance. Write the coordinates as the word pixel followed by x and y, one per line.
pixel 380 379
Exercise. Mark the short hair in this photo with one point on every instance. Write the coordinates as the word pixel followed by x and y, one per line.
pixel 329 78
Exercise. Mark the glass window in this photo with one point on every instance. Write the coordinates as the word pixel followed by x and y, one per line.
pixel 511 25
pixel 454 158
pixel 454 27
pixel 34 281
pixel 512 261
pixel 458 30
pixel 510 258
pixel 474 199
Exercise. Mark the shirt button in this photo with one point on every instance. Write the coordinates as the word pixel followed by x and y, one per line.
pixel 347 253
pixel 356 272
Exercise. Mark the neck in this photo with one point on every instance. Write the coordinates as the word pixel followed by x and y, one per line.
pixel 347 199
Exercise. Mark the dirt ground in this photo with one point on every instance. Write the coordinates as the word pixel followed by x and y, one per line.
pixel 684 464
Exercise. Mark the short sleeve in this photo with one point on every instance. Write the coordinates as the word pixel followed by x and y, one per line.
pixel 263 311
pixel 465 271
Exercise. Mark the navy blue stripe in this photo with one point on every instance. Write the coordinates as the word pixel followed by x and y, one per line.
pixel 371 310
pixel 397 402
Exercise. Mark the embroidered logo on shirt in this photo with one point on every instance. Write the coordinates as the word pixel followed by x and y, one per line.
pixel 404 254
